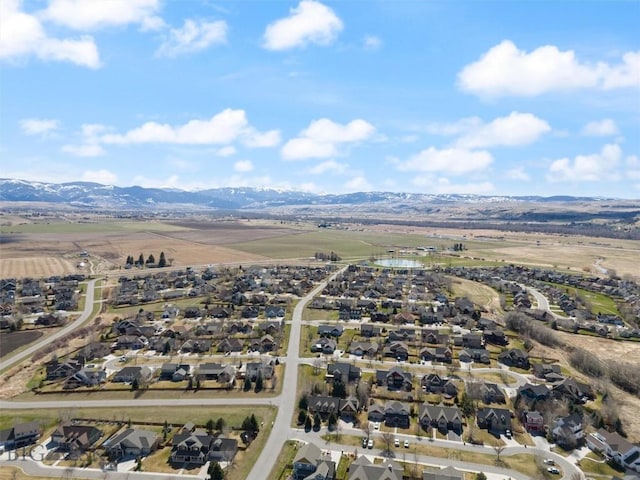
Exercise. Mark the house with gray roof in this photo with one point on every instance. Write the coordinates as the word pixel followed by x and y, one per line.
pixel 446 473
pixel 131 443
pixel 310 464
pixel 364 469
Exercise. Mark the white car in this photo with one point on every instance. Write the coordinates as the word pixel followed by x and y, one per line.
pixel 549 461
pixel 376 426
pixel 553 470
pixel 406 444
pixel 370 443
pixel 396 442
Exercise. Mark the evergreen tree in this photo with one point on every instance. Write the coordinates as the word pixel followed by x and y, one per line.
pixel 332 420
pixel 140 260
pixel 307 423
pixel 303 403
pixel 135 385
pixel 215 471
pixel 151 259
pixel 254 423
pixel 302 416
pixel 317 422
pixel 210 426
pixel 163 261
pixel 481 476
pixel 247 384
pixel 339 389
pixel 220 424
pixel 259 383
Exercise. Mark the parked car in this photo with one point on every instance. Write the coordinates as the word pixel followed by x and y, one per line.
pixel 553 470
pixel 396 442
pixel 370 443
pixel 549 461
pixel 406 444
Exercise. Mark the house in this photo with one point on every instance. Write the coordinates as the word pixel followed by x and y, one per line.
pixel 574 391
pixel 311 464
pixel 434 383
pixel 65 369
pixel 20 435
pixel 496 337
pixel 89 376
pixel 515 358
pixel 324 406
pixel 253 369
pixel 330 330
pixel 131 443
pixel 230 345
pixel 271 327
pixel 195 446
pixel 396 414
pixel 548 372
pixel 487 392
pixel 274 311
pixel 440 417
pixel 437 354
pixel 532 393
pixel 615 447
pixel 533 421
pixel 472 340
pixel 266 343
pixel 69 437
pixel 435 338
pixel 398 350
pixel 175 372
pixel 364 469
pixel 216 371
pixel 196 346
pixel 344 372
pixel 324 345
pixel 568 431
pixel 479 355
pixel 494 420
pixel 367 330
pixel 402 335
pixel 446 473
pixel 363 349
pixel 395 379
pixel 129 374
pixel 130 342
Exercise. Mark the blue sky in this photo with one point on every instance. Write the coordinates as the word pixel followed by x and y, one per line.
pixel 489 97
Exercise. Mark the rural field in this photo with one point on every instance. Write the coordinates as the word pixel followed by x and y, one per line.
pixel 53 248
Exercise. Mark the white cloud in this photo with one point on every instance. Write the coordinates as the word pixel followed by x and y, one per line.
pixel 100 176
pixel 602 128
pixel 22 35
pixel 453 161
pixel 518 174
pixel 38 126
pixel 371 42
pixel 266 139
pixel 226 151
pixel 454 128
pixel 193 36
pixel 87 150
pixel 310 22
pixel 505 70
pixel 587 168
pixel 329 166
pixel 322 137
pixel 243 166
pixel 90 14
pixel 221 129
pixel 358 184
pixel 515 129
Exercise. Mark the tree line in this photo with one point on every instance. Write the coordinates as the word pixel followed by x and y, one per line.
pixel 149 262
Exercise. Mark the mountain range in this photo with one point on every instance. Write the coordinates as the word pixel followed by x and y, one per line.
pixel 95 195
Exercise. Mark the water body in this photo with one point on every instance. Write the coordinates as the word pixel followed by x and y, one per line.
pixel 399 263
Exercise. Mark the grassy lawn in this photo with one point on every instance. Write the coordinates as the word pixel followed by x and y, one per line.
pixel 320 314
pixel 14 473
pixel 281 469
pixel 594 464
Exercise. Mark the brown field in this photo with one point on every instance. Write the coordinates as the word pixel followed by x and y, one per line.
pixel 14 340
pixel 37 266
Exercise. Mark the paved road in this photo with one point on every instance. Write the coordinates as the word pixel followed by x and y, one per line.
pixel 287 401
pixel 46 339
pixel 543 302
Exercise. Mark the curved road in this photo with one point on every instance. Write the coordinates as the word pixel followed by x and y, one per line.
pixel 86 313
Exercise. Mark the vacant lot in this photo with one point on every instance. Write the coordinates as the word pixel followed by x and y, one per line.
pixel 14 340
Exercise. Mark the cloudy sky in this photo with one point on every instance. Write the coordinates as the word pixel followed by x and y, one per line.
pixel 489 97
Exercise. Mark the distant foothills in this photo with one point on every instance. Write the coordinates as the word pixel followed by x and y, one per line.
pixel 592 216
pixel 89 194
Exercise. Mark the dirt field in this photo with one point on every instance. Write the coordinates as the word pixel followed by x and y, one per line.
pixel 14 340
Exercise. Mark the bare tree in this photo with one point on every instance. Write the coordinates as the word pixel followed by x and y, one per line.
pixel 366 429
pixel 498 449
pixel 387 440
